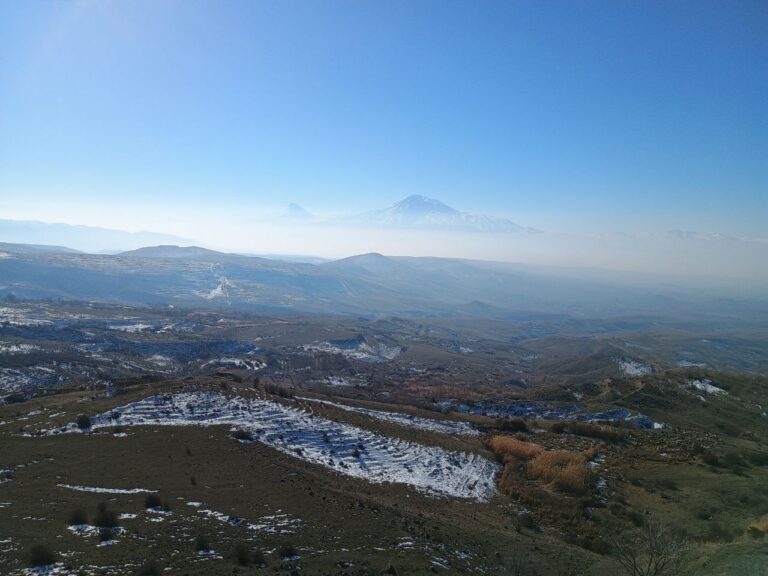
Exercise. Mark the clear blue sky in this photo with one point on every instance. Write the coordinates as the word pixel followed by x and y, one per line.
pixel 609 115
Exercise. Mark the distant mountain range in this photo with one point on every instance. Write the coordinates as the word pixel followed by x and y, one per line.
pixel 368 284
pixel 85 238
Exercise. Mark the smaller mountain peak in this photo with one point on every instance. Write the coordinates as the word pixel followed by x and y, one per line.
pixel 296 212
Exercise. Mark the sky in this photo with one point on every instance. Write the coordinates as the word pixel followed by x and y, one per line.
pixel 191 117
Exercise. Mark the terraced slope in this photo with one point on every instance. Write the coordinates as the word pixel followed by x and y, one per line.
pixel 346 449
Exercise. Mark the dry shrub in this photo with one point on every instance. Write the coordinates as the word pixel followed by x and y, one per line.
pixel 512 448
pixel 566 471
pixel 591 430
pixel 761 524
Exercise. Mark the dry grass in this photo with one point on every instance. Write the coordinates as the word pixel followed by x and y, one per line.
pixel 508 448
pixel 566 471
pixel 761 524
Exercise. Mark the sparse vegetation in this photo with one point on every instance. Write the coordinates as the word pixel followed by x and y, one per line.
pixel 78 517
pixel 246 556
pixel 287 551
pixel 202 544
pixel 152 501
pixel 40 555
pixel 105 518
pixel 83 421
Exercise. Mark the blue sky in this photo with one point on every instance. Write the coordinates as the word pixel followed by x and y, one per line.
pixel 614 115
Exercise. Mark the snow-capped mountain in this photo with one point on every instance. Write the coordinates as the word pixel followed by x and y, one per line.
pixel 428 213
pixel 297 213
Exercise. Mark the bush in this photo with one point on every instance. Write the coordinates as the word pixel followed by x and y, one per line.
pixel 591 430
pixel 106 534
pixel 152 501
pixel 508 447
pixel 287 551
pixel 512 425
pixel 105 518
pixel 242 435
pixel 244 556
pixel 654 550
pixel 566 471
pixel 201 544
pixel 78 517
pixel 40 555
pixel 557 427
pixel 83 421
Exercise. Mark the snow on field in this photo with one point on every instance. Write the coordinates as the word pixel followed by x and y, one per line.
pixel 407 420
pixel 632 368
pixel 10 349
pixel 220 291
pixel 690 364
pixel 18 317
pixel 106 490
pixel 252 365
pixel 341 382
pixel 274 524
pixel 347 449
pixel 357 349
pixel 706 385
pixel 131 328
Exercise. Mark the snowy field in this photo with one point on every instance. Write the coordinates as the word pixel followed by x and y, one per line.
pixel 632 368
pixel 357 349
pixel 429 424
pixel 347 449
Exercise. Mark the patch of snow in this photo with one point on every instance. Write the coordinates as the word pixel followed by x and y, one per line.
pixel 106 490
pixel 632 368
pixel 407 420
pixel 690 364
pixel 131 328
pixel 358 349
pixel 12 349
pixel 253 365
pixel 706 386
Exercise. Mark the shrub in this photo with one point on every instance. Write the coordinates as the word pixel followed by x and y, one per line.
pixel 106 534
pixel 201 544
pixel 557 427
pixel 653 551
pixel 40 555
pixel 566 471
pixel 512 425
pixel 287 551
pixel 242 435
pixel 244 556
pixel 152 501
pixel 508 447
pixel 591 430
pixel 78 517
pixel 105 518
pixel 83 421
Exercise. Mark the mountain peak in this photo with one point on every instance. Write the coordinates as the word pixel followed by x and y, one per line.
pixel 296 212
pixel 427 213
pixel 421 205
